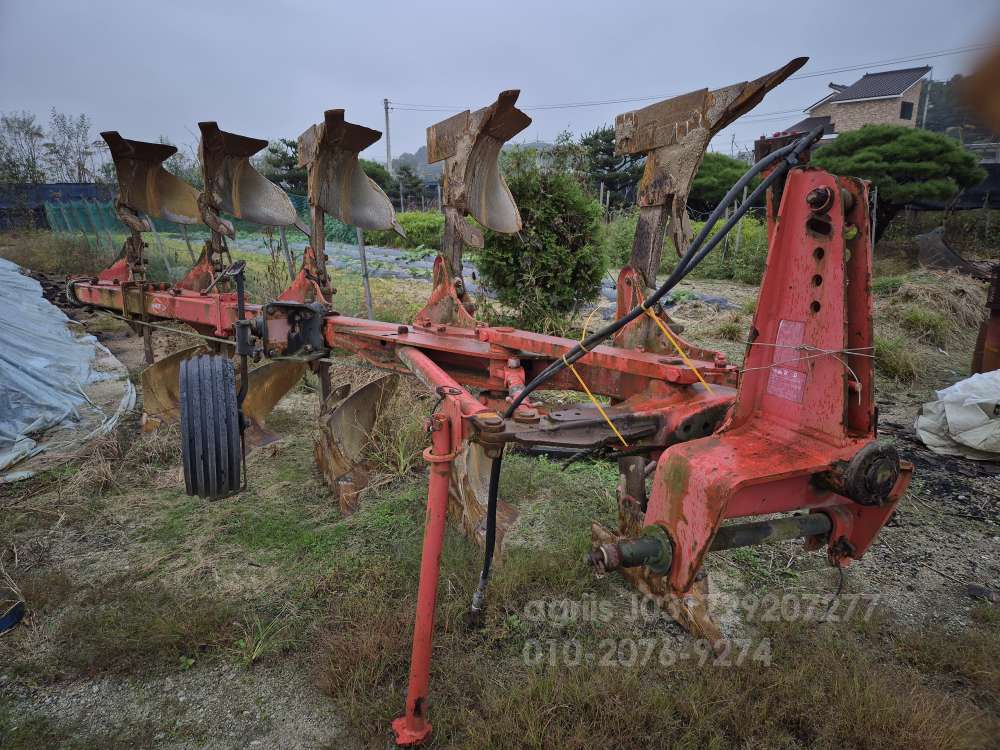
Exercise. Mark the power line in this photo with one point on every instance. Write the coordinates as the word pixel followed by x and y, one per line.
pixel 419 107
pixel 882 63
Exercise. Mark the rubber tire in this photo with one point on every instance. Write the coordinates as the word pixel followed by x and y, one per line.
pixel 210 432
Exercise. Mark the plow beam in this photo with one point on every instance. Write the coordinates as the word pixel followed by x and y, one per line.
pixel 235 187
pixel 337 183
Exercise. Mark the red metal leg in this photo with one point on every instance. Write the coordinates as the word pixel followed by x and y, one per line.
pixel 412 728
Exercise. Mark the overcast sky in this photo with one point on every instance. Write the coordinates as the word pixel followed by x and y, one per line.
pixel 270 68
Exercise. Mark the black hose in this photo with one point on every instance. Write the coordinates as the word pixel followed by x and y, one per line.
pixel 679 272
pixel 479 598
pixel 692 257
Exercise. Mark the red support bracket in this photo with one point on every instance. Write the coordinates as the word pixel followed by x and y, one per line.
pixel 412 728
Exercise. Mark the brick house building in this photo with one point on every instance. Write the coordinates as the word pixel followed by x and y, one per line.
pixel 888 98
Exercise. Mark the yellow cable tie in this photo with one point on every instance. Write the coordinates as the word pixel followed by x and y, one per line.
pixel 595 402
pixel 677 347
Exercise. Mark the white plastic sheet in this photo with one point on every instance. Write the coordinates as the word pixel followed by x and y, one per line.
pixel 44 373
pixel 965 419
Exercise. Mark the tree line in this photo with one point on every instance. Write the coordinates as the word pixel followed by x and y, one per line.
pixel 64 151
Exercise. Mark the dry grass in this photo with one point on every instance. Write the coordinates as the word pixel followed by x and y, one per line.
pixel 920 314
pixel 949 303
pixel 827 687
pixel 51 252
pixel 732 327
pixel 399 435
pixel 896 358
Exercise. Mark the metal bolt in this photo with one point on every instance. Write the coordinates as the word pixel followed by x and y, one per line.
pixel 526 416
pixel 819 199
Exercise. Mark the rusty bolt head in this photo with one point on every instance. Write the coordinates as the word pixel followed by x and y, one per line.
pixel 819 199
pixel 526 416
pixel 402 329
pixel 489 422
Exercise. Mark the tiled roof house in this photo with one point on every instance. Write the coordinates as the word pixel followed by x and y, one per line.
pixel 889 98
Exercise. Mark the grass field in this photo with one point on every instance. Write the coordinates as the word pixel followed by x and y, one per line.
pixel 159 620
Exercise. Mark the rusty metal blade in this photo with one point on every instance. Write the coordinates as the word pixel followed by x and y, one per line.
pixel 145 186
pixel 269 383
pixel 468 493
pixel 673 135
pixel 345 425
pixel 703 112
pixel 235 186
pixel 329 150
pixel 161 388
pixel 470 144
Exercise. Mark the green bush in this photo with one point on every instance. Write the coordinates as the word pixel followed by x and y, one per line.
pixel 716 175
pixel 615 237
pixel 422 228
pixel 556 262
pixel 337 231
pixel 745 265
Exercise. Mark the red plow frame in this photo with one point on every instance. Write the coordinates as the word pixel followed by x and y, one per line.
pixel 793 430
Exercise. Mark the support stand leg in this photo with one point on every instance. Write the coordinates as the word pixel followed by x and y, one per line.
pixel 147 343
pixel 412 728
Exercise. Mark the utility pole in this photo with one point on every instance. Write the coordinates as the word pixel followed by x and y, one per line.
pixel 388 150
pixel 364 273
pixel 927 99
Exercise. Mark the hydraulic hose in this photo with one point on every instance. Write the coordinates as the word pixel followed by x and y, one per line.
pixel 691 258
pixel 684 266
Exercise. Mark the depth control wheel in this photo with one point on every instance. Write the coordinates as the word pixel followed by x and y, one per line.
pixel 210 427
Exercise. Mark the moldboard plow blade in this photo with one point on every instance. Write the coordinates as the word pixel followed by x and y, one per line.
pixel 239 189
pixel 337 184
pixel 345 425
pixel 161 392
pixel 269 383
pixel 145 186
pixel 673 135
pixel 469 143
